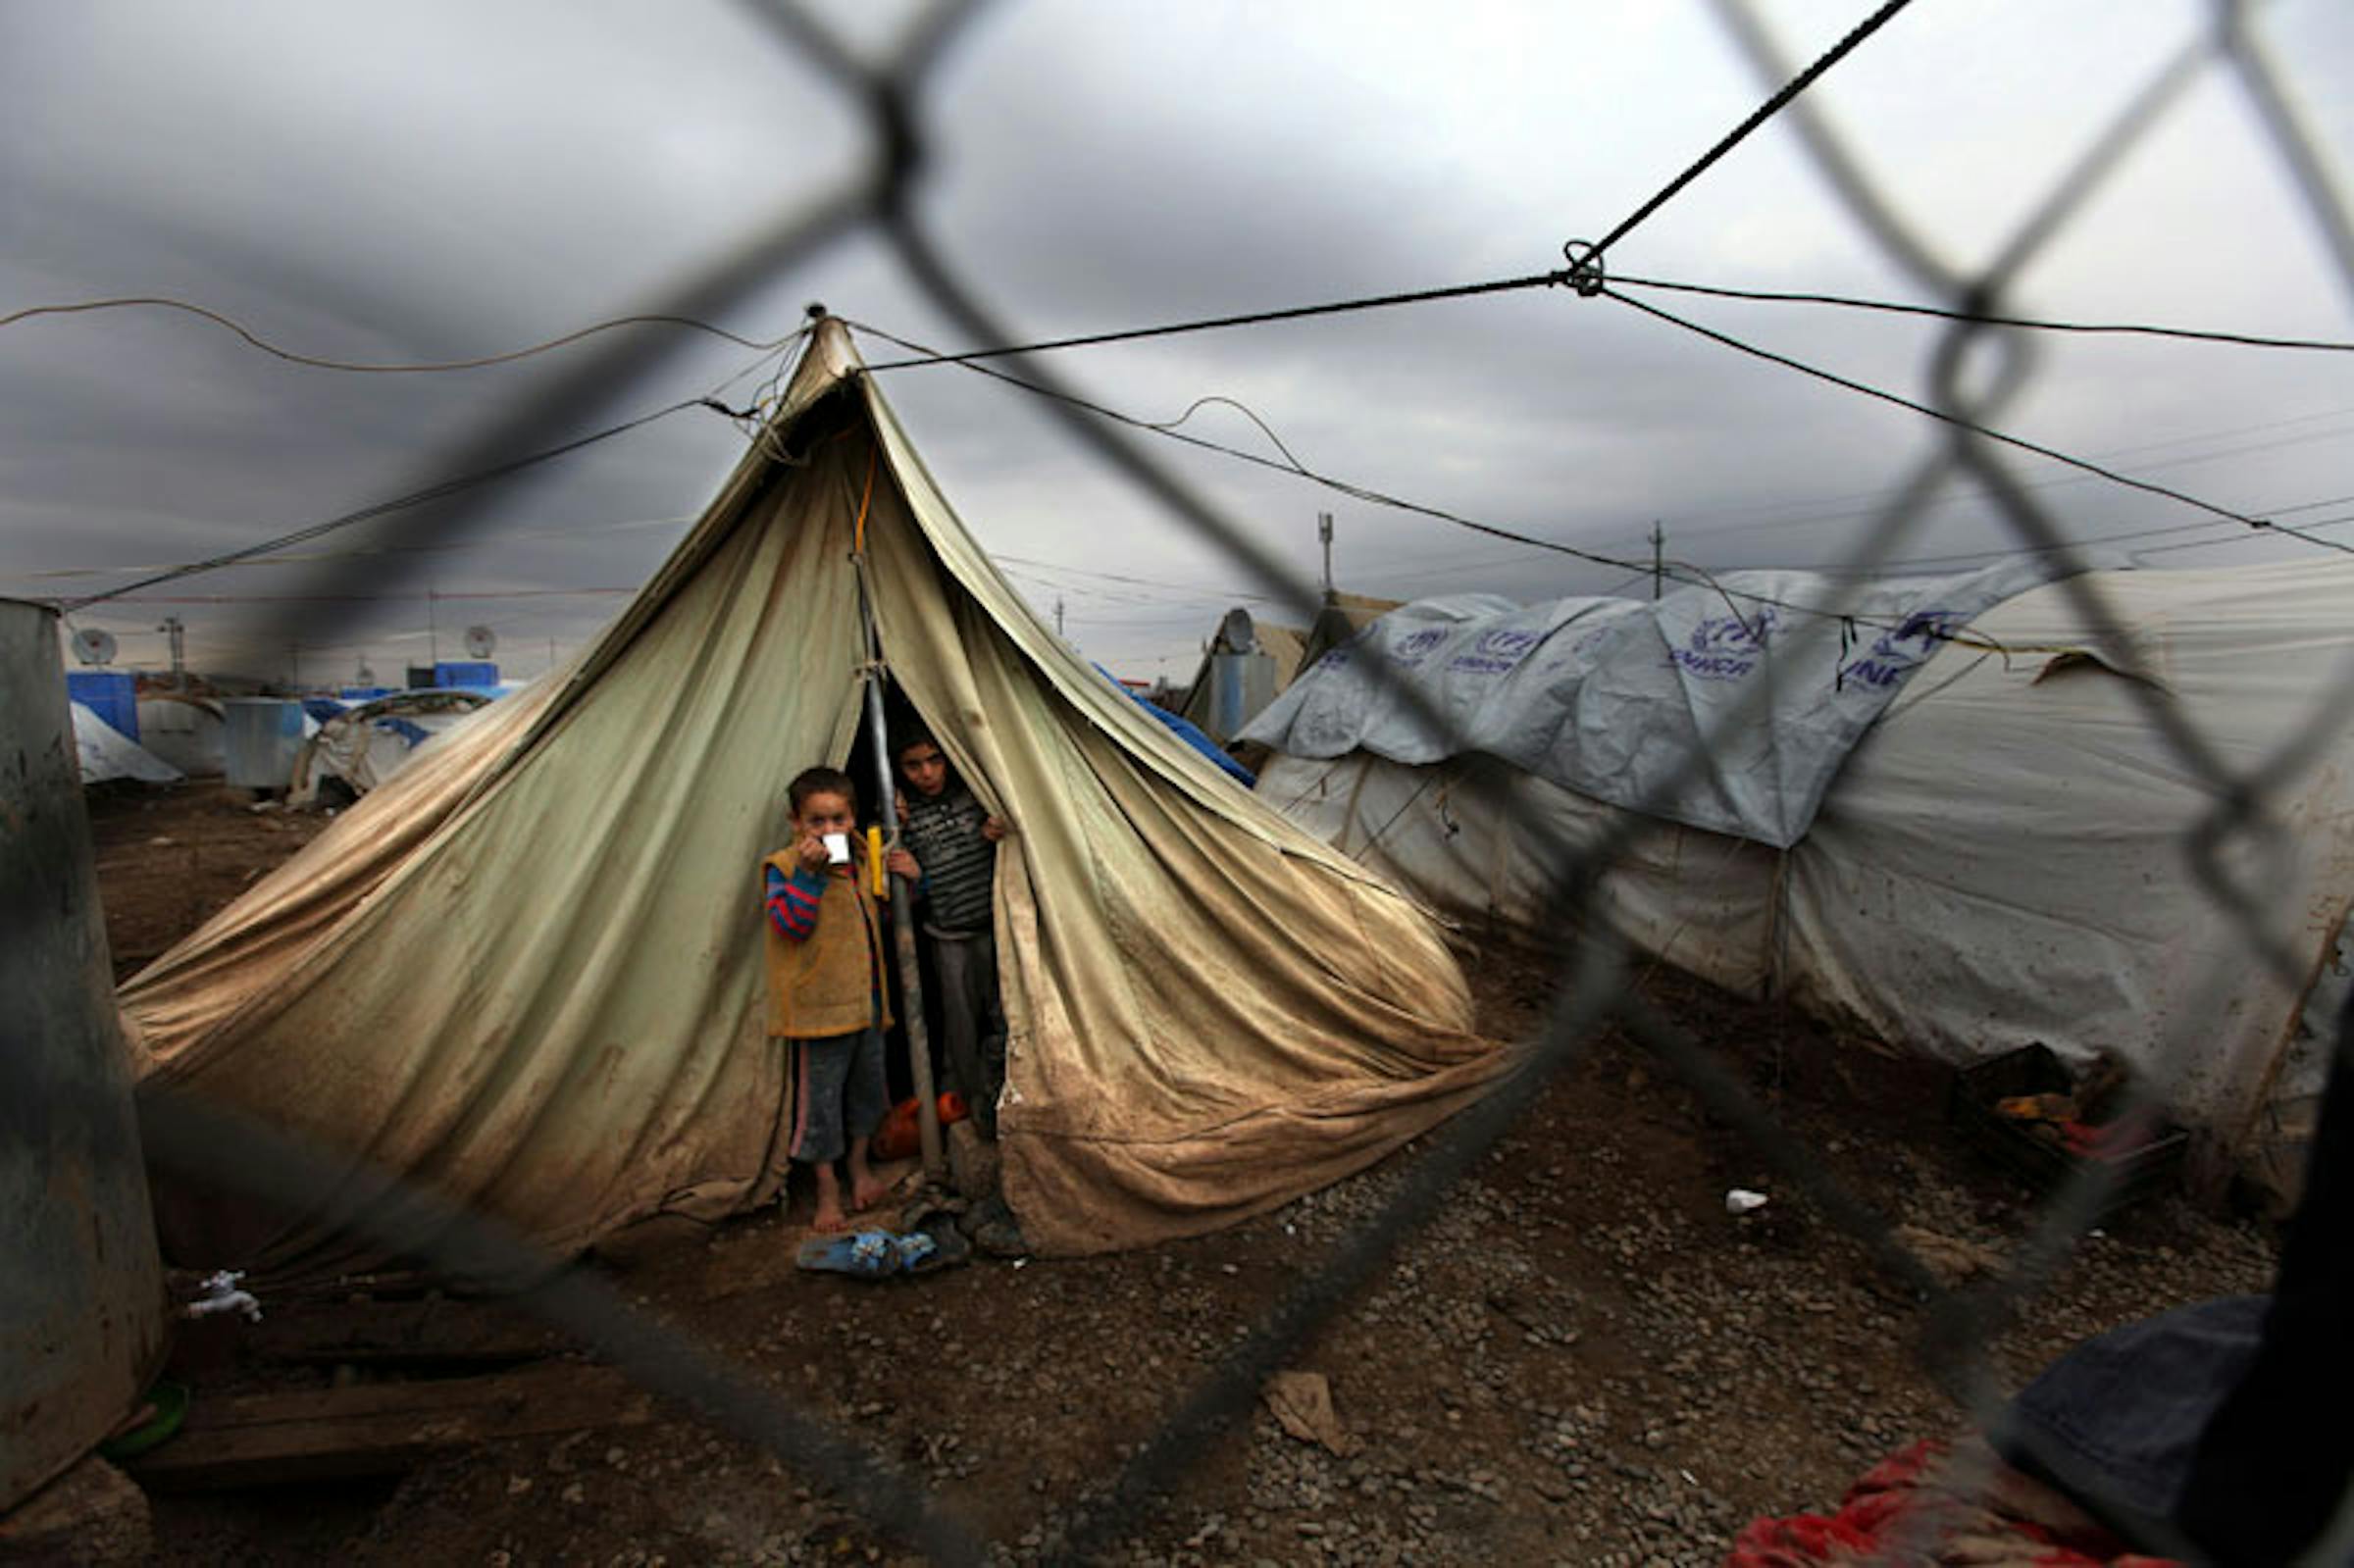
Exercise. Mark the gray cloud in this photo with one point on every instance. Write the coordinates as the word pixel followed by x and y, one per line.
pixel 442 182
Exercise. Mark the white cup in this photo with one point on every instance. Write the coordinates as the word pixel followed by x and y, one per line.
pixel 838 848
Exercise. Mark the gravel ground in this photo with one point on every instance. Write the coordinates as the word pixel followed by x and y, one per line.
pixel 1583 1360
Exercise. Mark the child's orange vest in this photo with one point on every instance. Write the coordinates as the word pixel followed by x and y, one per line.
pixel 833 983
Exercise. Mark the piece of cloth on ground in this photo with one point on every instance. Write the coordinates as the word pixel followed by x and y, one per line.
pixel 878 1254
pixel 2115 1422
pixel 971 1026
pixel 838 1094
pixel 1927 1506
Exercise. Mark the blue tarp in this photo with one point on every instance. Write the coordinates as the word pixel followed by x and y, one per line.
pixel 1189 734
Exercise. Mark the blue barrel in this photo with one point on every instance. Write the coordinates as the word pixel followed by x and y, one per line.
pixel 112 694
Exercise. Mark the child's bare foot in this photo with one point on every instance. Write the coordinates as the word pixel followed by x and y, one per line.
pixel 870 1186
pixel 830 1217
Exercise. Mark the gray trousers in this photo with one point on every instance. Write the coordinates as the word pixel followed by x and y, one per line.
pixel 971 1020
pixel 838 1090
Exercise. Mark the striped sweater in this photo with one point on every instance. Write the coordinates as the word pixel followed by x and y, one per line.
pixel 959 866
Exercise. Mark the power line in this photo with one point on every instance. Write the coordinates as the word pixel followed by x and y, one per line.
pixel 1584 259
pixel 432 492
pixel 1144 583
pixel 297 557
pixel 1941 313
pixel 1337 307
pixel 1683 571
pixel 1957 421
pixel 1586 263
pixel 165 302
pixel 363 599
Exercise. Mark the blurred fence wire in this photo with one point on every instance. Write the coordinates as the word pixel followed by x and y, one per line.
pixel 1596 989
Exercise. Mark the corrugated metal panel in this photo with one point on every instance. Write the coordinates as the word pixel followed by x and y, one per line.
pixel 264 735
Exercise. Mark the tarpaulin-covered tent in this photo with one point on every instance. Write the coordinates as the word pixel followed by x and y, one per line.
pixel 526 971
pixel 367 744
pixel 185 730
pixel 1960 846
pixel 1234 683
pixel 108 754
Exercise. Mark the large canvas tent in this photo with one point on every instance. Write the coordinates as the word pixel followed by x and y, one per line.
pixel 524 973
pixel 2003 857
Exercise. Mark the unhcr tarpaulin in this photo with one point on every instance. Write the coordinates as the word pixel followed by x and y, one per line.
pixel 2006 857
pixel 526 971
pixel 1718 706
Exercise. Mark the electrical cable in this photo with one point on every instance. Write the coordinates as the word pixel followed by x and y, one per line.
pixel 432 492
pixel 1587 262
pixel 1681 572
pixel 1986 431
pixel 165 302
pixel 1940 313
pixel 1502 286
pixel 298 557
pixel 366 598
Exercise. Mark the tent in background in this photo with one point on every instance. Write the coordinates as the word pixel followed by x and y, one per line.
pixel 2001 859
pixel 368 742
pixel 185 729
pixel 108 754
pixel 526 971
pixel 1247 663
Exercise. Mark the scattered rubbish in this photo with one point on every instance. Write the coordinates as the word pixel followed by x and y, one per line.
pixel 1741 1200
pixel 1301 1403
pixel 879 1254
pixel 2027 1110
pixel 221 1294
pixel 158 1417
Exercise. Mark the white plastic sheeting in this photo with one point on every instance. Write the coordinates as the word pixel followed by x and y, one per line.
pixel 369 743
pixel 1615 698
pixel 2004 857
pixel 185 731
pixel 108 754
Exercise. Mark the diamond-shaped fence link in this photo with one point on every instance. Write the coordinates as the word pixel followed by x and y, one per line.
pixel 1595 988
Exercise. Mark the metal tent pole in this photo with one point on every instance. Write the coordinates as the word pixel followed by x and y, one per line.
pixel 902 906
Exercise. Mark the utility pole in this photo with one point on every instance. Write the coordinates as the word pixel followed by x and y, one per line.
pixel 1658 559
pixel 551 653
pixel 1059 614
pixel 173 629
pixel 1324 537
pixel 294 657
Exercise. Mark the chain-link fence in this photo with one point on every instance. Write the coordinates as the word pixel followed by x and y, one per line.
pixel 1595 988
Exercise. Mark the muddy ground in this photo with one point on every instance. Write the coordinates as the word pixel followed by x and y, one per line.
pixel 1583 1358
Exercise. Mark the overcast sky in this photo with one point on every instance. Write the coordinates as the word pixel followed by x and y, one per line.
pixel 439 180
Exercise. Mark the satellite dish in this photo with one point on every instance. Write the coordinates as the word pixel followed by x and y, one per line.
pixel 481 641
pixel 366 676
pixel 1237 632
pixel 91 645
